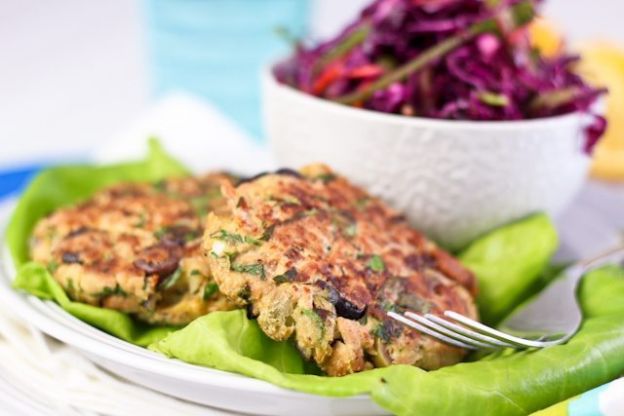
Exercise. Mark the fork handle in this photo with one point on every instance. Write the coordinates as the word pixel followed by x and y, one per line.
pixel 613 255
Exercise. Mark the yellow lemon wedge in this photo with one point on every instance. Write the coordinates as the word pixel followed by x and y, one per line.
pixel 546 38
pixel 603 66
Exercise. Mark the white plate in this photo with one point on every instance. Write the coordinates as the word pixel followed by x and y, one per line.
pixel 197 384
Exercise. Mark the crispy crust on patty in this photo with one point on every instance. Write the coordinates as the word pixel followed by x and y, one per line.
pixel 318 259
pixel 135 248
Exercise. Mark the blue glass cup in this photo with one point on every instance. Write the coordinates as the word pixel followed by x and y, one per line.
pixel 216 49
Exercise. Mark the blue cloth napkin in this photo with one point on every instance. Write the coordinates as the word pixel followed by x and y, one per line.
pixel 14 180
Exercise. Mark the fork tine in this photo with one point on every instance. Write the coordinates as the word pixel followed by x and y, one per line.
pixel 486 330
pixel 469 333
pixel 449 333
pixel 431 333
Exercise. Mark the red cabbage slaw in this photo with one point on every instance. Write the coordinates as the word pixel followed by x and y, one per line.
pixel 444 59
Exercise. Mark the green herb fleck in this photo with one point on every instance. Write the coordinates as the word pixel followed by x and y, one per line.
pixel 160 233
pixel 362 203
pixel 376 264
pixel 285 34
pixel 233 238
pixel 210 290
pixel 256 269
pixel 351 230
pixel 288 276
pixel 170 281
pixel 326 177
pixel 201 203
pixel 112 291
pixel 413 303
pixel 195 272
pixel 53 266
pixel 311 314
pixel 346 45
pixel 286 200
pixel 160 186
pixel 268 233
pixel 385 332
pixel 389 306
pixel 142 220
pixel 494 99
pixel 70 286
pixel 191 235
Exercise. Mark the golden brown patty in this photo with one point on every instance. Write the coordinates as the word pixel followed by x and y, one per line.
pixel 136 248
pixel 318 259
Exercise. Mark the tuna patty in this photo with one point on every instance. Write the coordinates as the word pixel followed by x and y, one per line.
pixel 319 260
pixel 136 248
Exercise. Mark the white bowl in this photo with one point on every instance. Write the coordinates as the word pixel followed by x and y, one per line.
pixel 453 179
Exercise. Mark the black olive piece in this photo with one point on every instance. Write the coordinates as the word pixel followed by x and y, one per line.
pixel 252 178
pixel 349 310
pixel 281 171
pixel 344 307
pixel 178 235
pixel 77 232
pixel 250 313
pixel 70 257
pixel 160 259
pixel 288 172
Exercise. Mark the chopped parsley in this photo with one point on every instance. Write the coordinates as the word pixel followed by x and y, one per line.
pixel 288 276
pixel 285 200
pixel 412 302
pixel 376 264
pixel 175 232
pixel 160 233
pixel 326 177
pixel 53 266
pixel 112 291
pixel 389 306
pixel 70 286
pixel 195 272
pixel 170 281
pixel 362 203
pixel 385 331
pixel 201 204
pixel 160 186
pixel 210 290
pixel 268 233
pixel 351 230
pixel 230 256
pixel 142 220
pixel 234 238
pixel 256 269
pixel 318 321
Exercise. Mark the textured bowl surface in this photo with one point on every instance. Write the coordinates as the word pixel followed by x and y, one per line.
pixel 454 180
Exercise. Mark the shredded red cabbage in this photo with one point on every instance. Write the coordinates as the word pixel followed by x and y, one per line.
pixel 446 59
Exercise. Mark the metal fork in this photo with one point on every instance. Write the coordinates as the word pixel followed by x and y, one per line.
pixel 550 318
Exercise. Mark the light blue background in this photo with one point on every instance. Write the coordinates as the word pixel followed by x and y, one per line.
pixel 217 49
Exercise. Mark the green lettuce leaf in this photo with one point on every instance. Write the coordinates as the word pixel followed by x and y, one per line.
pixel 60 186
pixel 508 262
pixel 510 383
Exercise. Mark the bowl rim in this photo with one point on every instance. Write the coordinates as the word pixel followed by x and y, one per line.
pixel 270 82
